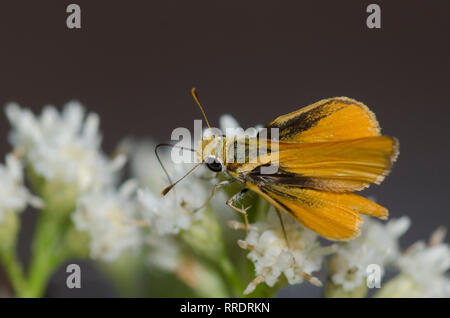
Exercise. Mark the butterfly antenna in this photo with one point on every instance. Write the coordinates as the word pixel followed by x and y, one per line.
pixel 160 161
pixel 194 95
pixel 167 189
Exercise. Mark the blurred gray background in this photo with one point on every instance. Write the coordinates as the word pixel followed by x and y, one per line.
pixel 134 62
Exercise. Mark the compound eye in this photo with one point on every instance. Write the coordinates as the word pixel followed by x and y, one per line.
pixel 214 164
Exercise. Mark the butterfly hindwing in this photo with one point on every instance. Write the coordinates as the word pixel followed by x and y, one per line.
pixel 335 216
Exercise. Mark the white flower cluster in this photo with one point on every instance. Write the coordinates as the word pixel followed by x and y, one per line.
pixel 110 217
pixel 377 244
pixel 428 267
pixel 175 212
pixel 63 147
pixel 14 195
pixel 272 257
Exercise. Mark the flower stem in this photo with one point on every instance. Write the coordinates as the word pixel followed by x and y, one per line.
pixel 231 276
pixel 47 254
pixel 14 269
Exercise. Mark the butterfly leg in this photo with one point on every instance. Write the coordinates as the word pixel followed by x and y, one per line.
pixel 283 228
pixel 234 199
pixel 213 192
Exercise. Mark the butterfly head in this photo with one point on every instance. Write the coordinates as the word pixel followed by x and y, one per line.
pixel 210 152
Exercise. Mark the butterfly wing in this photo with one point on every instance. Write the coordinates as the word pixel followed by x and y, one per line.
pixel 314 181
pixel 325 151
pixel 347 165
pixel 335 216
pixel 334 145
pixel 331 119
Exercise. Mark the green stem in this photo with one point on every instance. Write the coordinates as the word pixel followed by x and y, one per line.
pixel 231 276
pixel 14 269
pixel 47 254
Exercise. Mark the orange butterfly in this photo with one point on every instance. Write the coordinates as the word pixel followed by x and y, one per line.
pixel 325 151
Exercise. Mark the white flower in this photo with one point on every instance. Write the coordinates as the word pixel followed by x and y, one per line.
pixel 62 146
pixel 428 266
pixel 377 244
pixel 164 253
pixel 14 196
pixel 110 218
pixel 272 258
pixel 175 211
